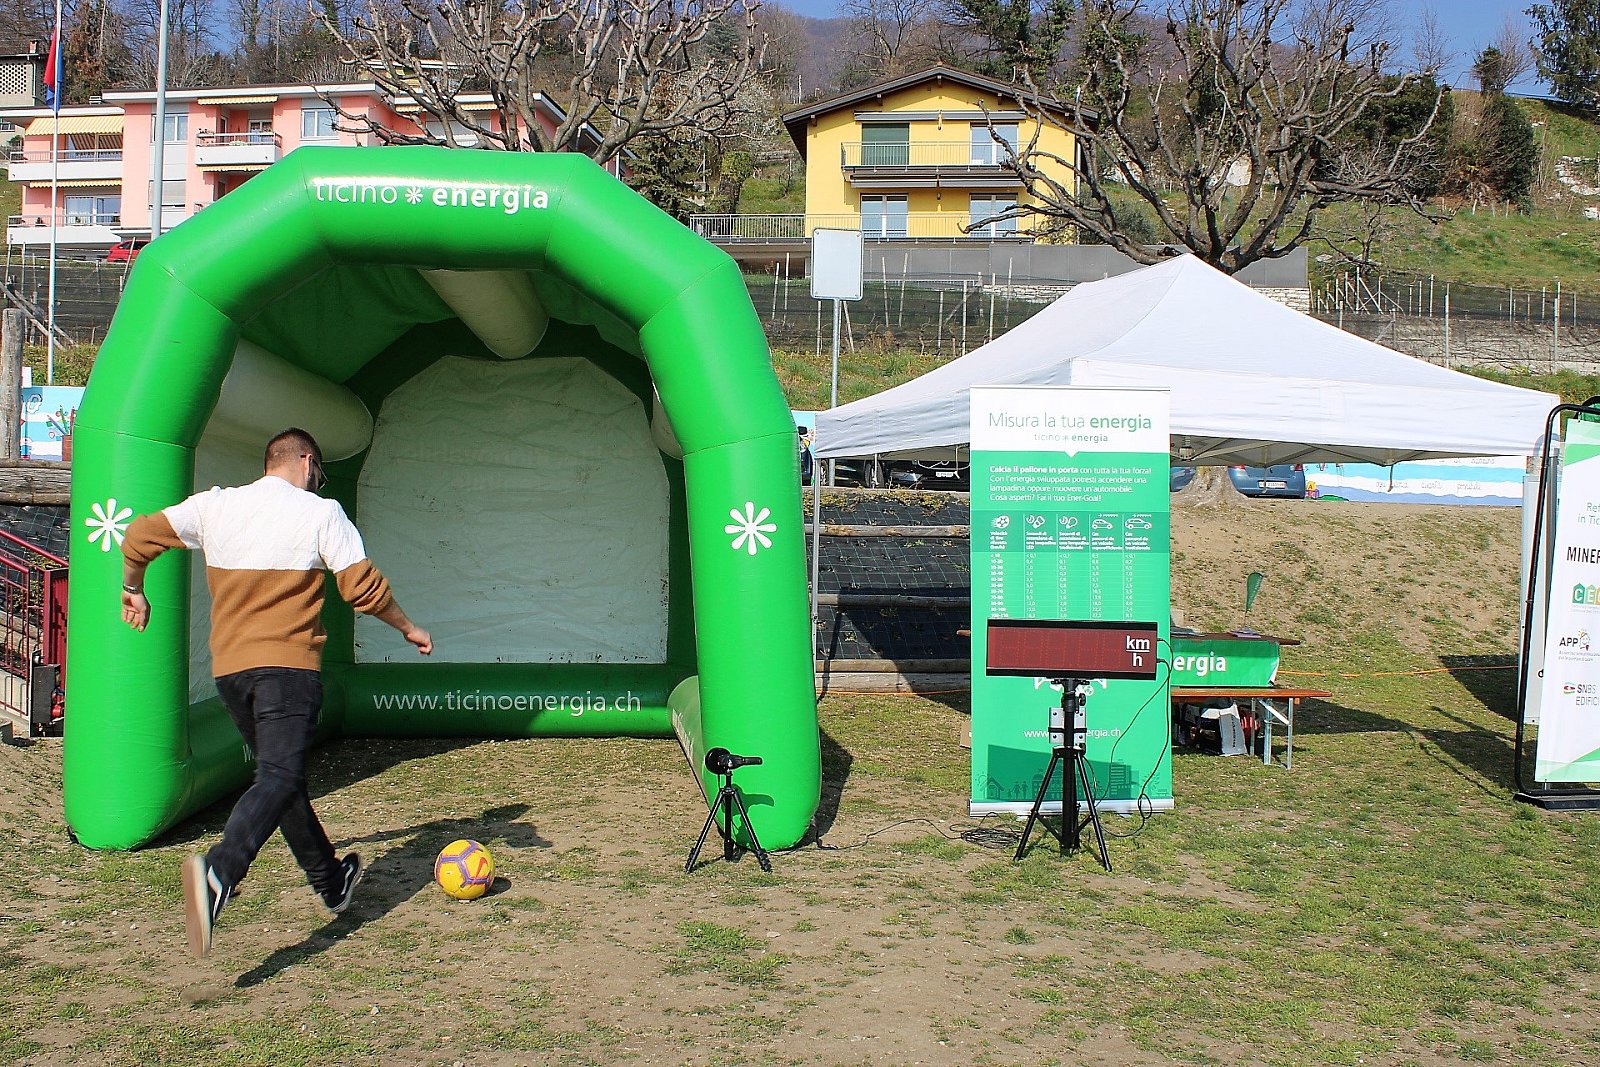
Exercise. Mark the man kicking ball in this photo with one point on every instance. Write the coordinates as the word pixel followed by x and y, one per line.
pixel 266 547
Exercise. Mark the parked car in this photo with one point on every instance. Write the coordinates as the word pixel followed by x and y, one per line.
pixel 951 475
pixel 1181 477
pixel 855 472
pixel 126 251
pixel 1283 480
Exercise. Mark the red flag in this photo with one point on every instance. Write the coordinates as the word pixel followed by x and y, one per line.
pixel 52 72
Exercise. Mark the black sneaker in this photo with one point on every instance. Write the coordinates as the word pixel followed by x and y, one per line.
pixel 204 894
pixel 350 871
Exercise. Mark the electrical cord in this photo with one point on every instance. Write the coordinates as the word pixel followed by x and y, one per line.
pixel 1002 838
pixel 992 837
pixel 1143 806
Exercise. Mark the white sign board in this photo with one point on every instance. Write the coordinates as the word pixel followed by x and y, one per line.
pixel 836 264
pixel 1569 704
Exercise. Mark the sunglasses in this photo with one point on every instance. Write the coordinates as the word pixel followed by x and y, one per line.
pixel 318 477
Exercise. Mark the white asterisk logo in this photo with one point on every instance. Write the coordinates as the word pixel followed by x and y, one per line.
pixel 751 527
pixel 414 195
pixel 107 523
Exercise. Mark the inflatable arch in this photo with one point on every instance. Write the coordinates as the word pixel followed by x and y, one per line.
pixel 604 538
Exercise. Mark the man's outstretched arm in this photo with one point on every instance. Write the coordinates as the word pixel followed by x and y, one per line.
pixel 361 584
pixel 148 536
pixel 397 618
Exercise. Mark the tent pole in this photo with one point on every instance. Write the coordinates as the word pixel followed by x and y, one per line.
pixel 816 555
pixel 1555 327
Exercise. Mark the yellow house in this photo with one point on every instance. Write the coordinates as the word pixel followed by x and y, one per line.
pixel 915 157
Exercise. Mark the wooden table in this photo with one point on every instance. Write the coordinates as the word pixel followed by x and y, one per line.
pixel 1265 706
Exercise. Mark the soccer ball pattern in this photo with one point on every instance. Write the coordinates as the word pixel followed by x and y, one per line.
pixel 464 870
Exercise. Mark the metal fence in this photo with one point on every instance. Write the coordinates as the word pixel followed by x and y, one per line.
pixel 1426 296
pixel 87 292
pixel 950 315
pixel 1443 322
pixel 1547 329
pixel 911 226
pixel 33 634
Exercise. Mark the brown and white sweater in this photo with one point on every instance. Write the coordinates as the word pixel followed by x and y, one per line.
pixel 266 546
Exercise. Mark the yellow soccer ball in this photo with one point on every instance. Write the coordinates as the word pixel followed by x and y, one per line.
pixel 464 870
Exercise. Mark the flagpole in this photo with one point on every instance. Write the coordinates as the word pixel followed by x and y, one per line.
pixel 55 201
pixel 158 153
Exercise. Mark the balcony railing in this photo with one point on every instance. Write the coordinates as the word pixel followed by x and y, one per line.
pixel 914 226
pixel 74 165
pixel 71 155
pixel 247 148
pixel 256 137
pixel 41 220
pixel 942 155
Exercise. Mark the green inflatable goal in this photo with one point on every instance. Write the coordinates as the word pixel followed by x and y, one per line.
pixel 551 411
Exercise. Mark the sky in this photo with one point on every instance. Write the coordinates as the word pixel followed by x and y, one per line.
pixel 1471 24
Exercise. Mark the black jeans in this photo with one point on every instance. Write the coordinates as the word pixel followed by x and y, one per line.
pixel 276 711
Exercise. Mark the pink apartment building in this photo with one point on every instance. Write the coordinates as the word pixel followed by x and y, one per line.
pixel 216 140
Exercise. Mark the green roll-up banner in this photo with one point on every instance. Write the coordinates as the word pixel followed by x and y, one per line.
pixel 1070 520
pixel 315 292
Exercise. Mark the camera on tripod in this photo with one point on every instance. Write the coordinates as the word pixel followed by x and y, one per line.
pixel 727 802
pixel 721 761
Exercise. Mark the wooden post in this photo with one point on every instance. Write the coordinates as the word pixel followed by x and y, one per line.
pixel 11 327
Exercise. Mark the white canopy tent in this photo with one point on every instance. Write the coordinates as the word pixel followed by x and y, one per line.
pixel 1253 382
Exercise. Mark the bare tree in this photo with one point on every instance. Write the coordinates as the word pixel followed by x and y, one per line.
pixel 191 59
pixel 1515 48
pixel 1430 44
pixel 621 69
pixel 786 45
pixel 1357 234
pixel 892 37
pixel 23 22
pixel 1263 119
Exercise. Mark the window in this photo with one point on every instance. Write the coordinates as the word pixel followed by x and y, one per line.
pixel 91 210
pixel 987 207
pixel 883 216
pixel 316 124
pixel 177 127
pixel 985 153
pixel 91 146
pixel 463 136
pixel 886 144
pixel 172 192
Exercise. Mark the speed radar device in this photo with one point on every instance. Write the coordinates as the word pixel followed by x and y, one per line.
pixel 1072 654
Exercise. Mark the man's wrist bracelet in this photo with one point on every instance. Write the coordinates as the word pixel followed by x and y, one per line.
pixel 134 589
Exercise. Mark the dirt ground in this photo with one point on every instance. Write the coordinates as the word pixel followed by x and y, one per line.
pixel 1439 578
pixel 1243 928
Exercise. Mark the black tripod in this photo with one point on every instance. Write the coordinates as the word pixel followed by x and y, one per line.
pixel 1074 695
pixel 721 761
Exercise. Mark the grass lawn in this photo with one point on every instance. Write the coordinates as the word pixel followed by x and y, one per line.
pixel 1382 903
pixel 1528 251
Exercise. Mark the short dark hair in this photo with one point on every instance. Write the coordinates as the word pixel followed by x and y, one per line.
pixel 289 445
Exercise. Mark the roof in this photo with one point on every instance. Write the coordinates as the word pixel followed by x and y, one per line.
pixel 263 94
pixel 25 114
pixel 225 93
pixel 794 121
pixel 1252 380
